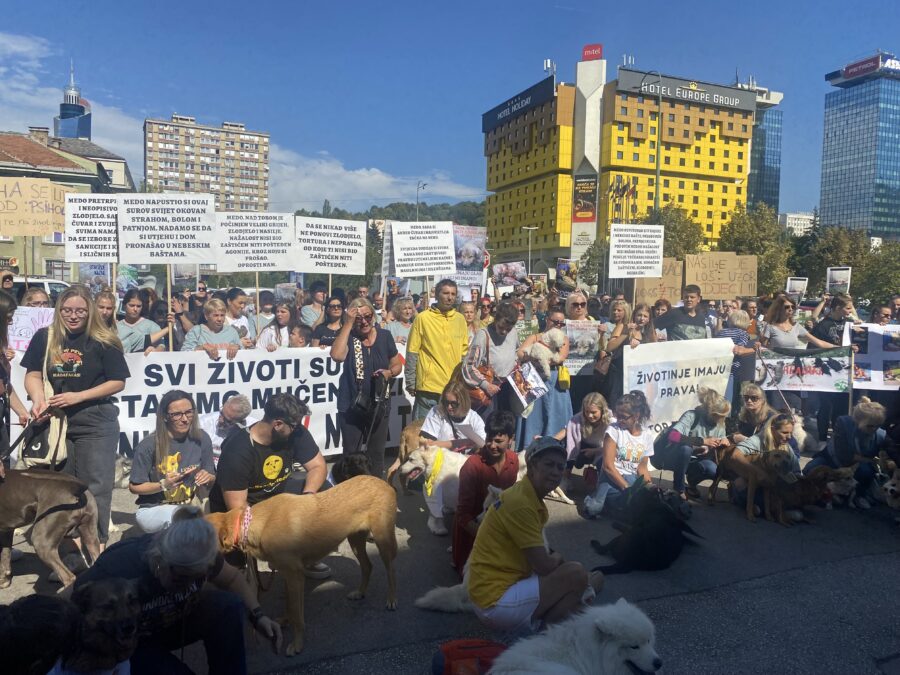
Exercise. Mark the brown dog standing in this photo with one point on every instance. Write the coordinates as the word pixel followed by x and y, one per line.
pixel 409 441
pixel 290 531
pixel 760 470
pixel 57 504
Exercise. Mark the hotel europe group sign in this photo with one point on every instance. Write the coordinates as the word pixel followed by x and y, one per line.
pixel 688 91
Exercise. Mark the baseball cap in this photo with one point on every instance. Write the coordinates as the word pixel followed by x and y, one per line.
pixel 541 445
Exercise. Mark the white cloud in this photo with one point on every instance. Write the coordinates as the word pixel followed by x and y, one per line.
pixel 295 180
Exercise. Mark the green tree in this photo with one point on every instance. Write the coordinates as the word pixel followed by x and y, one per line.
pixel 593 260
pixel 755 231
pixel 879 278
pixel 683 236
pixel 837 247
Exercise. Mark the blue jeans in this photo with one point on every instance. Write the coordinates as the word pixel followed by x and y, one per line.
pixel 675 458
pixel 607 493
pixel 700 470
pixel 864 475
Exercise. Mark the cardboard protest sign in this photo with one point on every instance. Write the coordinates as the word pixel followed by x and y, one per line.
pixel 423 249
pixel 635 251
pixel 877 363
pixel 721 275
pixel 666 287
pixel 804 369
pixel 837 280
pixel 671 377
pixel 91 228
pixel 31 207
pixel 167 228
pixel 330 246
pixel 255 242
pixel 309 373
pixel 25 322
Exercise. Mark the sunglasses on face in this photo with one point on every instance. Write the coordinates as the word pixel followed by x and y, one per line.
pixel 335 307
pixel 579 304
pixel 558 322
pixel 751 398
pixel 450 404
pixel 365 318
pixel 5 279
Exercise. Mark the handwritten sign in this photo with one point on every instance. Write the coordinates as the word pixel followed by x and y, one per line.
pixel 667 287
pixel 31 207
pixel 423 249
pixel 91 228
pixel 255 242
pixel 721 275
pixel 167 228
pixel 330 246
pixel 25 322
pixel 635 251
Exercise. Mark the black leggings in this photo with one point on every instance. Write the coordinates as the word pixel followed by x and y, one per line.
pixel 353 438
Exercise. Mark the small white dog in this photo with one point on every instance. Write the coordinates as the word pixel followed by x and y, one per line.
pixel 610 639
pixel 545 352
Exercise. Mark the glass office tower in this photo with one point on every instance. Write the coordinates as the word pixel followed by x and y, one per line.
pixel 765 158
pixel 861 148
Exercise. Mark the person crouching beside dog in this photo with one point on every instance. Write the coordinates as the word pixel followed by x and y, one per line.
pixel 173 465
pixel 370 358
pixel 171 568
pixel 584 435
pixel 776 434
pixel 689 444
pixel 857 438
pixel 627 449
pixel 497 465
pixel 74 368
pixel 514 583
pixel 257 462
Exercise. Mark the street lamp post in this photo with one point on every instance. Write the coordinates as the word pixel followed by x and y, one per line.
pixel 419 187
pixel 529 229
pixel 657 186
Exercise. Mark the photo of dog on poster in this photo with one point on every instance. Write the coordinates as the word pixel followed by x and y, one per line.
pixel 469 252
pixel 510 273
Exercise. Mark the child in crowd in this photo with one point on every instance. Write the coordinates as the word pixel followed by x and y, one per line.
pixel 584 436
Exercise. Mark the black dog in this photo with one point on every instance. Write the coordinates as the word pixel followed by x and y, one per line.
pixel 652 538
pixel 348 466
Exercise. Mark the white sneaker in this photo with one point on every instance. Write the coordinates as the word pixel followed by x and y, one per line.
pixel 317 570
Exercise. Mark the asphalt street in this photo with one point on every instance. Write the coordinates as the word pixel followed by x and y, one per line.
pixel 750 598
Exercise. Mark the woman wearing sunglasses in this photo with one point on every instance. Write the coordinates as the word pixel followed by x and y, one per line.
pixel 755 412
pixel 370 358
pixel 576 310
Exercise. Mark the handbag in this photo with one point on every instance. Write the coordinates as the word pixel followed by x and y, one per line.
pixel 479 397
pixel 362 405
pixel 44 444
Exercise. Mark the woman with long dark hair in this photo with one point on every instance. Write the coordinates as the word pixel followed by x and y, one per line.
pixel 276 335
pixel 171 463
pixel 325 333
pixel 74 368
pixel 136 331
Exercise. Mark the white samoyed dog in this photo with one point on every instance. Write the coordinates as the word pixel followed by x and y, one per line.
pixel 610 639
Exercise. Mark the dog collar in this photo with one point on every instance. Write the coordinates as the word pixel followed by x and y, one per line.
pixel 433 474
pixel 242 528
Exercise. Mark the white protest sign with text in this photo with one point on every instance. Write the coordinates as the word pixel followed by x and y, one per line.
pixel 424 249
pixel 635 251
pixel 91 228
pixel 167 228
pixel 330 246
pixel 255 242
pixel 671 373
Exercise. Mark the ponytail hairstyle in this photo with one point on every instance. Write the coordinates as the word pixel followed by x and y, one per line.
pixel 713 403
pixel 635 403
pixel 776 422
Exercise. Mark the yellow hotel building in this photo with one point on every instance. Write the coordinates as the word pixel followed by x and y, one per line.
pixel 705 132
pixel 528 147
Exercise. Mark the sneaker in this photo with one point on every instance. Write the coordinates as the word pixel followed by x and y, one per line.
pixel 317 570
pixel 863 503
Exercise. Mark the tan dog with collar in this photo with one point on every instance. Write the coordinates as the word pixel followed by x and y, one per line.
pixel 291 531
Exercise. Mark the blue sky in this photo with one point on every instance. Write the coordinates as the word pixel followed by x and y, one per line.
pixel 365 99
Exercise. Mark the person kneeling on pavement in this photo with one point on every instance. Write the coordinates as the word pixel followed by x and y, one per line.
pixel 171 569
pixel 257 462
pixel 515 583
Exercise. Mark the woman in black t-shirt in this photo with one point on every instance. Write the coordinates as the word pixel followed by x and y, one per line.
pixel 85 368
pixel 326 332
pixel 369 354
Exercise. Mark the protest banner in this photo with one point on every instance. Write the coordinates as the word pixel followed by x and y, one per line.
pixel 584 343
pixel 721 275
pixel 635 251
pixel 330 246
pixel 566 276
pixel 469 243
pixel 95 276
pixel 167 228
pixel 423 249
pixel 648 290
pixel 90 223
pixel 25 322
pixel 671 378
pixel 309 373
pixel 837 280
pixel 31 207
pixel 877 363
pixel 255 242
pixel 804 369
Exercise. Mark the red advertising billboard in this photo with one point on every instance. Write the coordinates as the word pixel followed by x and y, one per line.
pixel 592 52
pixel 864 67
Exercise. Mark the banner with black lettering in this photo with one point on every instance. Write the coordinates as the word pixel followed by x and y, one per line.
pixel 804 369
pixel 309 373
pixel 670 374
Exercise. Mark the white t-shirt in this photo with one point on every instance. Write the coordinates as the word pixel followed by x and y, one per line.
pixel 267 338
pixel 437 425
pixel 630 450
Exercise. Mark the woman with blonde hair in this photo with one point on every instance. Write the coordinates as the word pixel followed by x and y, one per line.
pixel 584 434
pixel 404 311
pixel 454 408
pixel 857 439
pixel 687 447
pixel 74 368
pixel 170 464
pixel 576 310
pixel 470 313
pixel 106 302
pixel 755 412
pixel 632 328
pixel 214 334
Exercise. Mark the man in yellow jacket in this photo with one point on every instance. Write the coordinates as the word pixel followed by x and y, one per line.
pixel 436 345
